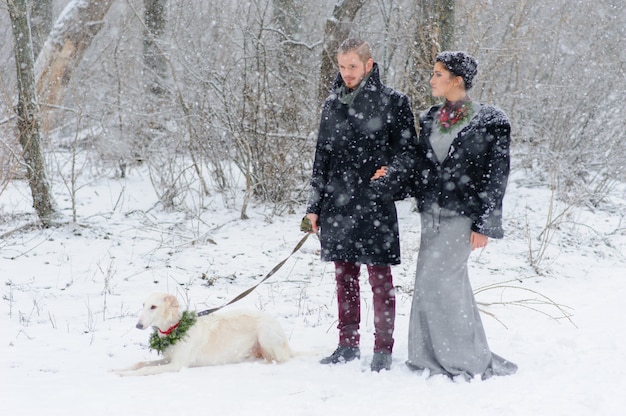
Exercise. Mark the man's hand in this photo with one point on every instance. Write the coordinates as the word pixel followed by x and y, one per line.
pixel 380 172
pixel 313 218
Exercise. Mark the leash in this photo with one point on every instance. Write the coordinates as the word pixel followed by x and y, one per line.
pixel 267 276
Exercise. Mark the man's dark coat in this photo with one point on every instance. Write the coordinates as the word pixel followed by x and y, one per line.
pixel 354 140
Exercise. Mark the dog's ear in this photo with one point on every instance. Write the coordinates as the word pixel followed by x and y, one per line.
pixel 171 301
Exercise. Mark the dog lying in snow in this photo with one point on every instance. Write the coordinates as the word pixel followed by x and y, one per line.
pixel 223 337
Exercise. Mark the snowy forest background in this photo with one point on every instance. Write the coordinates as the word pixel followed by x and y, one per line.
pixel 174 141
pixel 203 93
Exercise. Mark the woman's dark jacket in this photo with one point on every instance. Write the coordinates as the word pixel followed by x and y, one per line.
pixel 470 181
pixel 353 141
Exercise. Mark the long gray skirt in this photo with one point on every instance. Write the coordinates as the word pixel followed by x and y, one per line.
pixel 446 334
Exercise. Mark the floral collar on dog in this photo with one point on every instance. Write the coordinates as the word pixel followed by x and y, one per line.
pixel 170 337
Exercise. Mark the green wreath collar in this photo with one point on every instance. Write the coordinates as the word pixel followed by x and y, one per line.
pixel 160 342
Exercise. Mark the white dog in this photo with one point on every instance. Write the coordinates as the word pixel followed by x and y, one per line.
pixel 222 337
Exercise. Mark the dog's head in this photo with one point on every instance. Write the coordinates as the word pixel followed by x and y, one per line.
pixel 160 310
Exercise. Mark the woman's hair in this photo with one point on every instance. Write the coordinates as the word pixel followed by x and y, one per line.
pixel 461 65
pixel 359 46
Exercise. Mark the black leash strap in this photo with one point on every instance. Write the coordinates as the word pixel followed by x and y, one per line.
pixel 267 276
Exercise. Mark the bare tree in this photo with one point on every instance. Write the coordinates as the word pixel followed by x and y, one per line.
pixel 28 112
pixel 41 20
pixel 155 19
pixel 434 32
pixel 287 23
pixel 336 31
pixel 66 45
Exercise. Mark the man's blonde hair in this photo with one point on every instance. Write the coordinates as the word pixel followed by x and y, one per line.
pixel 357 45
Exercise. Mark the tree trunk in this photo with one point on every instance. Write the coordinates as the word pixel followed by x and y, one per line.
pixel 40 23
pixel 28 112
pixel 286 20
pixel 434 33
pixel 69 39
pixel 155 61
pixel 336 31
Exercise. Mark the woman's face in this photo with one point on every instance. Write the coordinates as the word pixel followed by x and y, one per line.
pixel 444 82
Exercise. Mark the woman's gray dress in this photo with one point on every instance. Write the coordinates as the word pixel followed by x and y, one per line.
pixel 446 334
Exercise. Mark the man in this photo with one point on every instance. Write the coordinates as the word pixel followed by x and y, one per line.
pixel 364 125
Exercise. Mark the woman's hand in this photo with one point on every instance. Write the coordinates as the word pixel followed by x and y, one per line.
pixel 380 172
pixel 478 240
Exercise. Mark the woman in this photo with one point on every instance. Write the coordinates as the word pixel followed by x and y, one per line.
pixel 459 180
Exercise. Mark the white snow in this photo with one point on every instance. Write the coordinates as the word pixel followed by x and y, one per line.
pixel 70 298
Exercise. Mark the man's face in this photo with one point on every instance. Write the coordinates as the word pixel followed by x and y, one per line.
pixel 353 69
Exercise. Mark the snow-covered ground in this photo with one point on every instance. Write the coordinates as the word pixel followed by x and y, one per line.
pixel 70 298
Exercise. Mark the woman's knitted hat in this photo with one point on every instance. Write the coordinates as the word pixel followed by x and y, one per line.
pixel 460 64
